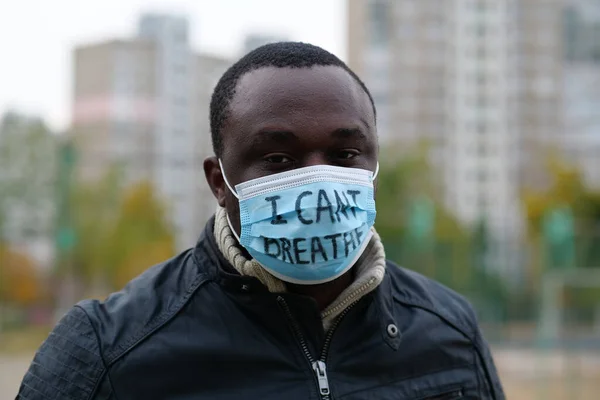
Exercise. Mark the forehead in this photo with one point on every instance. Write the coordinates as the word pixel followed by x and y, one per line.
pixel 321 94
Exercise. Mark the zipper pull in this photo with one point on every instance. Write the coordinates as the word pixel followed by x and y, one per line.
pixel 321 370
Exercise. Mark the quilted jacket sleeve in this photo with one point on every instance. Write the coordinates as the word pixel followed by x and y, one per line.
pixel 68 365
pixel 488 367
pixel 490 371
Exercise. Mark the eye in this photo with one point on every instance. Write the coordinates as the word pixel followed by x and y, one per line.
pixel 346 154
pixel 278 159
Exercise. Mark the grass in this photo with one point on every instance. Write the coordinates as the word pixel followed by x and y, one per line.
pixel 22 341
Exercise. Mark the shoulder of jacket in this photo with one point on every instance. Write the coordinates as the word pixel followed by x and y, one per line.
pixel 68 365
pixel 413 289
pixel 146 304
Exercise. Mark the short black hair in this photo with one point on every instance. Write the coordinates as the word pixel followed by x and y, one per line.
pixel 280 55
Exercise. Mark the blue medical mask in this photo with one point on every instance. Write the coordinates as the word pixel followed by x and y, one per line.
pixel 307 225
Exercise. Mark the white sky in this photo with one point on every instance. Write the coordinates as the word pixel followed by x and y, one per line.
pixel 37 36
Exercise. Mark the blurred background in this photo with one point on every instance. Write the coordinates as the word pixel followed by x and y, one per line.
pixel 489 125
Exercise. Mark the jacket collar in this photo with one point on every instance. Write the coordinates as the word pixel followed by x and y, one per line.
pixel 208 257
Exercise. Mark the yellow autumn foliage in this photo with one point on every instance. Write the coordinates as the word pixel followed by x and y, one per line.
pixel 141 258
pixel 120 230
pixel 141 236
pixel 566 189
pixel 19 280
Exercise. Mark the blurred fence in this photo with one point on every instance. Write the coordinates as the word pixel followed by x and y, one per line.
pixel 546 343
pixel 504 282
pixel 543 323
pixel 508 299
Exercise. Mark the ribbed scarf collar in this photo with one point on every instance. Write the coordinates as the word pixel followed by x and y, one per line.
pixel 369 269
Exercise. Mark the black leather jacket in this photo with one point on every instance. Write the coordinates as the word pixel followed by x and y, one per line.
pixel 192 328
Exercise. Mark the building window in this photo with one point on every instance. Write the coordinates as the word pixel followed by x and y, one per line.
pixel 407 105
pixel 481 176
pixel 482 102
pixel 480 79
pixel 379 22
pixel 479 30
pixel 406 30
pixel 407 8
pixel 481 202
pixel 180 101
pixel 180 35
pixel 435 31
pixel 481 152
pixel 481 53
pixel 179 69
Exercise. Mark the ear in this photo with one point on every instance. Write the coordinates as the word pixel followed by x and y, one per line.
pixel 376 180
pixel 214 178
pixel 375 186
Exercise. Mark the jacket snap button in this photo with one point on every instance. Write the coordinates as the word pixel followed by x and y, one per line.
pixel 392 330
pixel 245 288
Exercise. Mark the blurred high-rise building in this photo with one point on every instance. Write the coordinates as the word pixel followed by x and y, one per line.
pixel 477 79
pixel 255 40
pixel 582 87
pixel 143 102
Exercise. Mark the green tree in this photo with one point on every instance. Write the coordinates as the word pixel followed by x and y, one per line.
pixel 417 230
pixel 563 221
pixel 27 173
pixel 27 178
pixel 120 232
pixel 141 235
pixel 566 188
pixel 580 206
pixel 94 211
pixel 421 234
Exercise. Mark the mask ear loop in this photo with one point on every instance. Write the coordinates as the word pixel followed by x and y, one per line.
pixel 232 230
pixel 235 194
pixel 227 182
pixel 374 174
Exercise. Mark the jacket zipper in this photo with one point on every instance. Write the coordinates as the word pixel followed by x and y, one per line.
pixel 318 366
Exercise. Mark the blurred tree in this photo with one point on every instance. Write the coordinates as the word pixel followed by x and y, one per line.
pixel 27 178
pixel 141 257
pixel 417 230
pixel 20 280
pixel 120 232
pixel 398 183
pixel 563 223
pixel 141 236
pixel 421 234
pixel 481 244
pixel 94 211
pixel 566 189
pixel 567 208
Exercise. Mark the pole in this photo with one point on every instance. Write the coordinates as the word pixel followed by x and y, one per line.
pixel 65 234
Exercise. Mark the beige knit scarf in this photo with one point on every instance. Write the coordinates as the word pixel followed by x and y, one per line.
pixel 369 269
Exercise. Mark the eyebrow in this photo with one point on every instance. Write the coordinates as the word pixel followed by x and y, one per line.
pixel 270 136
pixel 348 133
pixel 282 137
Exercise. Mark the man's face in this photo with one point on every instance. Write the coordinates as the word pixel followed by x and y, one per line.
pixel 287 118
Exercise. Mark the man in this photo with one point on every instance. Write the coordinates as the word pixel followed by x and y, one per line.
pixel 287 294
